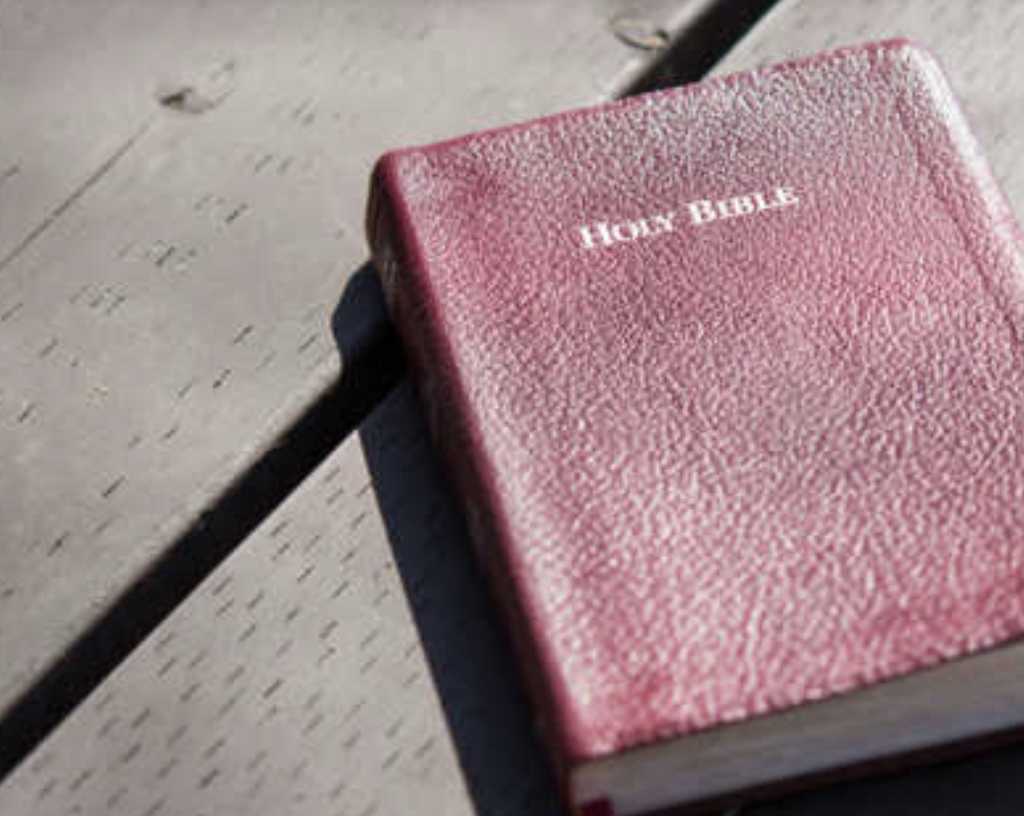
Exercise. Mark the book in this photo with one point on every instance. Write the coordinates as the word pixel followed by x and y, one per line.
pixel 729 380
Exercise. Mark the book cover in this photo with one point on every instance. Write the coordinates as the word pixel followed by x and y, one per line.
pixel 729 380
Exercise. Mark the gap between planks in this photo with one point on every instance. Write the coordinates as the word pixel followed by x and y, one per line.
pixel 373 365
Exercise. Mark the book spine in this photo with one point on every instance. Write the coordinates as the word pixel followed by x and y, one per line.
pixel 451 427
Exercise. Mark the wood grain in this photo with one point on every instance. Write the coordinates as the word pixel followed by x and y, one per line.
pixel 181 198
pixel 294 680
pixel 136 746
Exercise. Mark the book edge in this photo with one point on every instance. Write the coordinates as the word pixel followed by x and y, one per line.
pixel 997 714
pixel 466 464
pixel 652 97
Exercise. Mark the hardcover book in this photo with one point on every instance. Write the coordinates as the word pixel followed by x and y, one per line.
pixel 729 380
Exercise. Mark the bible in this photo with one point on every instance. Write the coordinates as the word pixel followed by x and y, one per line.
pixel 729 380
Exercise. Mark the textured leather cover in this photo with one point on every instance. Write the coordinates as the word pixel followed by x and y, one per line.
pixel 733 466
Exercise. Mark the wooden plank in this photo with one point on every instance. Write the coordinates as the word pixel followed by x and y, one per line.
pixel 169 268
pixel 82 763
pixel 294 679
pixel 79 80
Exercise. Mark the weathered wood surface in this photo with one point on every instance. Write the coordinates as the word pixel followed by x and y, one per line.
pixel 177 728
pixel 168 271
pixel 294 680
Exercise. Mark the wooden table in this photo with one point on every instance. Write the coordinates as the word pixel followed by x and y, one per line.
pixel 232 579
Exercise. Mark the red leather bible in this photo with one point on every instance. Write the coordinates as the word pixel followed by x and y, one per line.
pixel 730 381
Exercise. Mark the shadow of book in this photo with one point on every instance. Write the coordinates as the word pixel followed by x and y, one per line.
pixel 470 657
